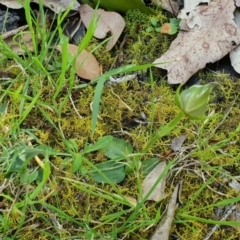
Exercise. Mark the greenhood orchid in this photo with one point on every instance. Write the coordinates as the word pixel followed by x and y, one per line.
pixel 193 101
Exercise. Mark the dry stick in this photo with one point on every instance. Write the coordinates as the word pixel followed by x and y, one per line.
pixel 74 107
pixel 228 213
pixel 163 228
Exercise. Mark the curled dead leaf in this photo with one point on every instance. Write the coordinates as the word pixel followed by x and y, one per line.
pixel 166 27
pixel 107 22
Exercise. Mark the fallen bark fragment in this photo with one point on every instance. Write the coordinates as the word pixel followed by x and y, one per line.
pixel 163 229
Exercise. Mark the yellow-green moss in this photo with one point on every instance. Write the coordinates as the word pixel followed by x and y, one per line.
pixel 206 155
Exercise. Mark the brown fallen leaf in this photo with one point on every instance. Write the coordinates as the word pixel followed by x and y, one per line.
pixel 107 22
pixel 87 66
pixel 131 201
pixel 159 191
pixel 19 40
pixel 166 28
pixel 7 75
pixel 192 49
pixel 170 5
pixel 55 5
pixel 163 229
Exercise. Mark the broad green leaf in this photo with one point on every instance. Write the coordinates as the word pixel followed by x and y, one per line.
pixel 153 21
pixel 175 21
pixel 72 145
pixel 120 6
pixel 108 172
pixel 149 29
pixel 30 152
pixel 27 177
pixel 3 108
pixel 100 144
pixel 118 148
pixel 77 162
pixel 20 158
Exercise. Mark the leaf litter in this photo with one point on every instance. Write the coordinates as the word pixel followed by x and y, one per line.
pixel 193 49
pixel 195 24
pixel 159 191
pixel 106 22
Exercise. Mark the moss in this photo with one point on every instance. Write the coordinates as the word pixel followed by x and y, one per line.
pixel 199 162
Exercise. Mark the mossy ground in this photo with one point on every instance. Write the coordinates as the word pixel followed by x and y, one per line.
pixel 67 209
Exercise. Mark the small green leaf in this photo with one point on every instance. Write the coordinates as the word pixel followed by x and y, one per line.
pixel 108 172
pixel 153 21
pixel 72 145
pixel 175 21
pixel 169 28
pixel 149 29
pixel 3 108
pixel 118 148
pixel 28 177
pixel 100 144
pixel 20 158
pixel 148 165
pixel 157 29
pixel 173 29
pixel 77 162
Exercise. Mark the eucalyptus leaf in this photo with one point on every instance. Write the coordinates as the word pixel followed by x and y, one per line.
pixel 108 172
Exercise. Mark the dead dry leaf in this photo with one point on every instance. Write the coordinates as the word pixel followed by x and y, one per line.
pixel 171 6
pixel 19 40
pixel 87 66
pixel 192 49
pixel 235 58
pixel 159 191
pixel 235 53
pixel 163 229
pixel 55 5
pixel 189 20
pixel 190 5
pixel 177 143
pixel 107 22
pixel 237 3
pixel 132 201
